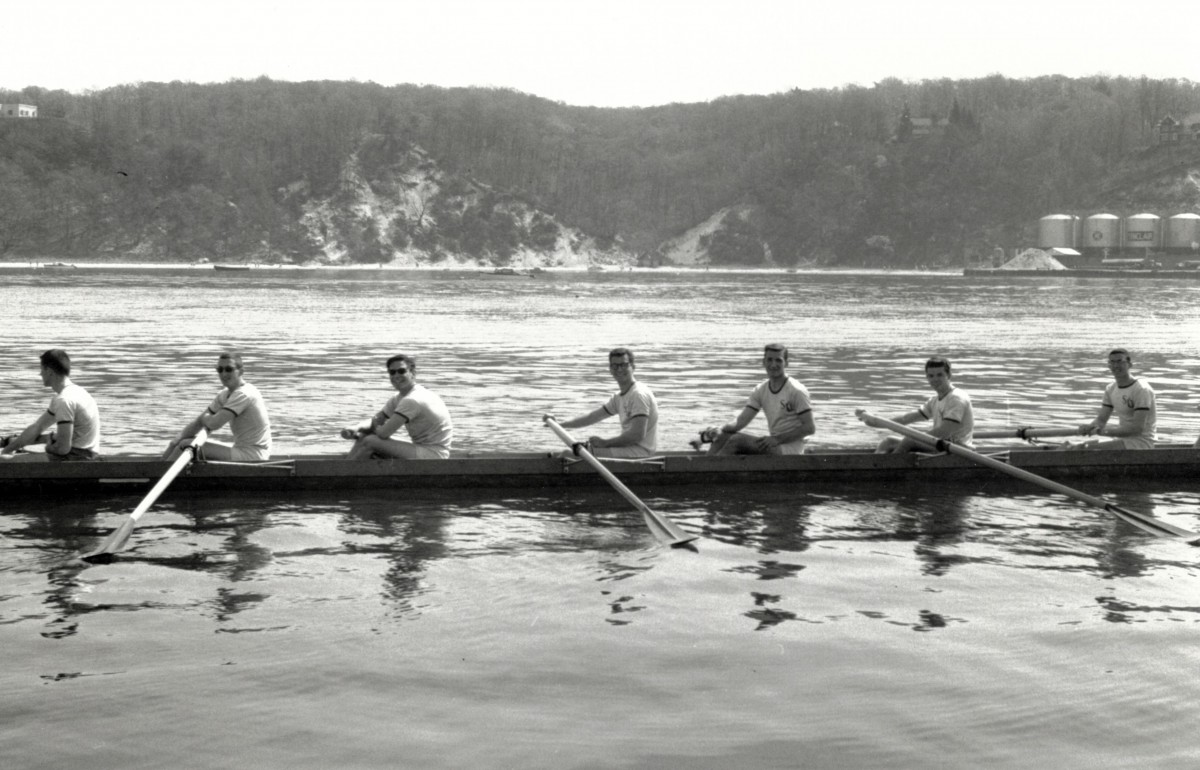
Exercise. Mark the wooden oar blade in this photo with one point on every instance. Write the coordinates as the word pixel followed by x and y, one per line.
pixel 665 531
pixel 679 541
pixel 1153 525
pixel 113 544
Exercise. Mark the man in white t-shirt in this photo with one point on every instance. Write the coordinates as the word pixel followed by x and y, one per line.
pixel 949 408
pixel 785 403
pixel 241 406
pixel 1132 401
pixel 72 414
pixel 418 410
pixel 636 406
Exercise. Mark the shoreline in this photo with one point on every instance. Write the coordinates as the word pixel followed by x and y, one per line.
pixel 59 266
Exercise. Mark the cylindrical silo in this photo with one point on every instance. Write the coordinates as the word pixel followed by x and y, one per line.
pixel 1058 231
pixel 1143 231
pixel 1101 231
pixel 1183 233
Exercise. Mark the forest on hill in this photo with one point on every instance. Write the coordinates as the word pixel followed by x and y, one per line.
pixel 896 174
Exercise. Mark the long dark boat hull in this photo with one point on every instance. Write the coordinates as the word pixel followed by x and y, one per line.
pixel 1082 272
pixel 541 470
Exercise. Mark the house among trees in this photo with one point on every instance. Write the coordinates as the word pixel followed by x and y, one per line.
pixel 1168 130
pixel 18 110
pixel 1172 131
pixel 908 127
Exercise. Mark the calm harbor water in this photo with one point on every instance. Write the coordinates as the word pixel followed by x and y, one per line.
pixel 856 626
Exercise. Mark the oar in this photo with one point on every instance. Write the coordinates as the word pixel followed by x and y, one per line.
pixel 663 528
pixel 1027 433
pixel 1148 523
pixel 117 540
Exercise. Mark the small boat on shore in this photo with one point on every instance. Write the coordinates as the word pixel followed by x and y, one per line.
pixel 542 470
pixel 510 272
pixel 231 267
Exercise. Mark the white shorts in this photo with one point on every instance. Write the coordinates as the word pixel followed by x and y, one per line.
pixel 424 452
pixel 1135 442
pixel 621 451
pixel 249 454
pixel 240 454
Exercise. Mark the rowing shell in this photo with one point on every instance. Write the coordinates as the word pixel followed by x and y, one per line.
pixel 542 470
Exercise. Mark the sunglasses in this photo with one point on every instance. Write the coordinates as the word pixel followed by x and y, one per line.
pixel 226 369
pixel 394 372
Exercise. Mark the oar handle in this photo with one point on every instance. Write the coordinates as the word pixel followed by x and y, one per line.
pixel 660 525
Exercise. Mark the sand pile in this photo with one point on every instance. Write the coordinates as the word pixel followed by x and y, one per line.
pixel 1033 259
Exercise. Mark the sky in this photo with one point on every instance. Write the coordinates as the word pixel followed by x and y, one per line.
pixel 609 53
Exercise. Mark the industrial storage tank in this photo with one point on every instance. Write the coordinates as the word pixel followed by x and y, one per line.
pixel 1101 231
pixel 1183 233
pixel 1058 231
pixel 1143 231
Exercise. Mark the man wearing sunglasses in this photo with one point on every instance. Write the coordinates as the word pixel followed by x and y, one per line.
pixel 241 406
pixel 634 403
pixel 415 408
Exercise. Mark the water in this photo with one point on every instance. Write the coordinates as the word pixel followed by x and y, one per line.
pixel 831 626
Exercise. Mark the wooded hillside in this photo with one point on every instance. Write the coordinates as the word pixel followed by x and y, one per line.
pixel 181 170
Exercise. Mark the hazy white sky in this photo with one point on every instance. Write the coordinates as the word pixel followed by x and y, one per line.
pixel 599 52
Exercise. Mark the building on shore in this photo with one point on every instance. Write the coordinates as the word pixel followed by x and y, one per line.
pixel 18 110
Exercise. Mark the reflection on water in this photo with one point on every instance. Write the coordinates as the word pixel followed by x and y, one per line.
pixel 868 624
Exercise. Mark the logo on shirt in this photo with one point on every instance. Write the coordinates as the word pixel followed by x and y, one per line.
pixel 787 406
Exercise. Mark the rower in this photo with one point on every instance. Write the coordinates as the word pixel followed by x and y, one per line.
pixel 1132 401
pixel 72 414
pixel 415 408
pixel 788 409
pixel 949 408
pixel 241 406
pixel 636 406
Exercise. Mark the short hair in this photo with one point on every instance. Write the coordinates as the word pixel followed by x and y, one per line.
pixel 409 361
pixel 232 357
pixel 619 352
pixel 937 362
pixel 776 346
pixel 57 361
pixel 1120 352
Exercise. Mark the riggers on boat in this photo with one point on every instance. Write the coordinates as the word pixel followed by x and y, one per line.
pixel 531 470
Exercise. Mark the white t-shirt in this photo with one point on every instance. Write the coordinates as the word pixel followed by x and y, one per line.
pixel 76 406
pixel 428 418
pixel 250 425
pixel 955 408
pixel 784 409
pixel 1126 401
pixel 638 401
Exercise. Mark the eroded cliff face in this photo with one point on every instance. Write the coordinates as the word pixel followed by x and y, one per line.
pixel 412 213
